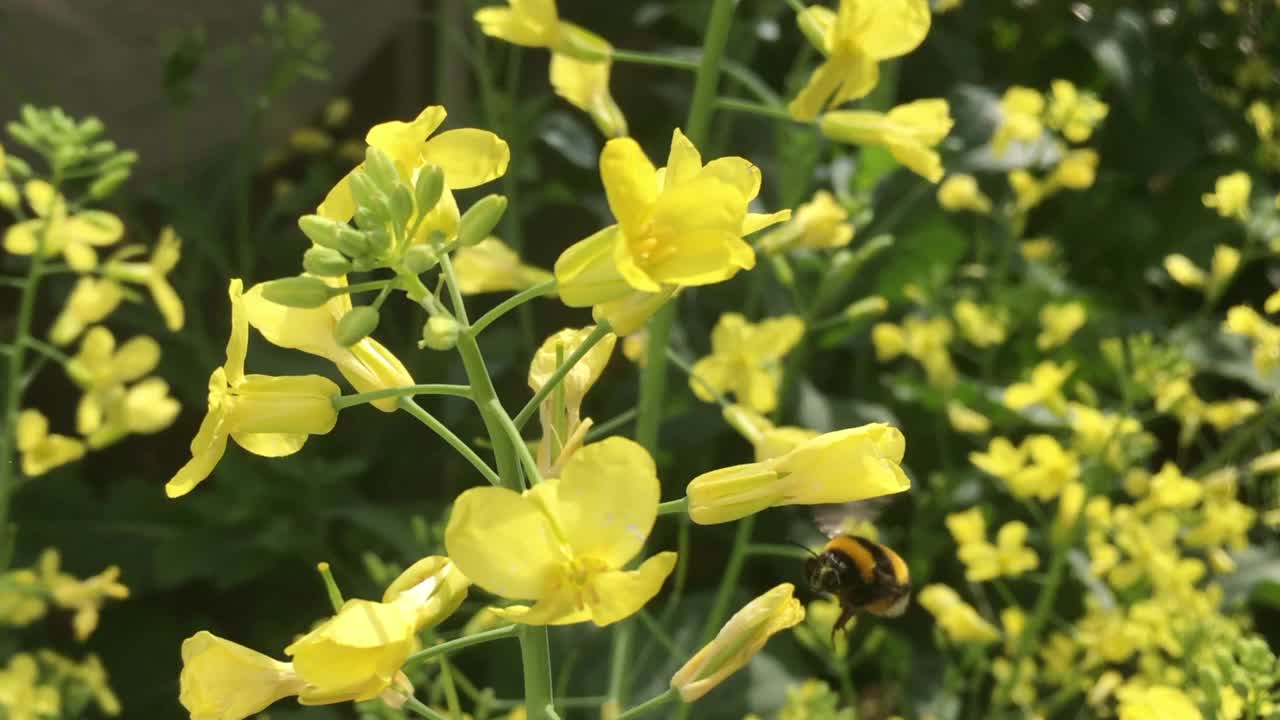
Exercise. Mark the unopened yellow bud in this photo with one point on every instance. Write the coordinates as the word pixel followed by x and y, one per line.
pixel 439 333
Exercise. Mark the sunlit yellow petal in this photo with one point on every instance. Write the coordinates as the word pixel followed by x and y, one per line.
pixel 586 273
pixel 206 450
pixel 468 156
pixel 613 596
pixel 484 526
pixel 289 404
pixel 630 182
pixel 608 500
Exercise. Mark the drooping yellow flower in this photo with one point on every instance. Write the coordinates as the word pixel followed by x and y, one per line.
pixel 1230 196
pixel 56 232
pixel 836 467
pixel 575 534
pixel 853 40
pixel 1044 387
pixel 820 224
pixel 42 451
pixel 768 440
pixel 1074 113
pixel 491 266
pixel 958 619
pixel 91 300
pixel 222 680
pixel 563 433
pixel 1155 702
pixel 910 132
pixel 678 227
pixel 960 191
pixel 354 655
pixel 368 365
pixel 983 326
pixel 738 641
pixel 266 415
pixel 1021 109
pixel 468 157
pixel 745 360
pixel 154 274
pixel 1058 322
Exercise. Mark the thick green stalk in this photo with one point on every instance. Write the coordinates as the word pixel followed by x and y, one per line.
pixel 535 654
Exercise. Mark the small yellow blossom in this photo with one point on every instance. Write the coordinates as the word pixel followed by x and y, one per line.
pixel 1230 195
pixel 1009 557
pixel 738 641
pixel 982 326
pixel 1023 694
pixel 1073 113
pixel 266 415
pixel 768 440
pixel 310 141
pixel 958 619
pixel 1027 190
pixel 100 370
pixel 154 274
pixel 222 680
pixel 816 633
pixel 925 340
pixel 1044 387
pixel 1262 119
pixel 1059 322
pixel 576 533
pixel 836 467
pixel 142 408
pixel 1156 702
pixel 967 420
pixel 22 696
pixel 56 232
pixel 491 266
pixel 746 359
pixel 636 346
pixel 1226 260
pixel 42 451
pixel 91 300
pixel 1076 171
pixel 1035 249
pixel 1020 110
pixel 820 224
pixel 1244 320
pixel 961 192
pixel 853 40
pixel 910 132
pixel 1184 272
pixel 562 435
pixel 85 597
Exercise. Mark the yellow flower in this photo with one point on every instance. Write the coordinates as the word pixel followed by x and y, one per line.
pixel 768 440
pixel 1230 195
pixel 91 300
pixel 1041 248
pixel 1262 119
pixel 1001 459
pixel 1024 693
pixel 266 415
pixel 1028 192
pixel 738 641
pixel 432 588
pixel 468 157
pixel 222 680
pixel 1073 113
pixel 1227 414
pixel 961 192
pixel 1156 702
pixel 575 535
pixel 678 227
pixel 354 655
pixel 909 131
pixel 1009 557
pixel 853 40
pixel 1183 271
pixel 42 451
pixel 836 467
pixel 983 326
pixel 1044 387
pixel 1244 320
pixel 745 360
pixel 1059 323
pixel 368 365
pixel 924 340
pixel 154 274
pixel 562 435
pixel 585 83
pixel 86 596
pixel 967 420
pixel 73 236
pixel 957 618
pixel 99 369
pixel 491 266
pixel 143 408
pixel 636 346
pixel 22 697
pixel 1076 171
pixel 820 224
pixel 1020 110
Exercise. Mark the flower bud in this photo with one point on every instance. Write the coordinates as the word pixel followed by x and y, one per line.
pixel 356 325
pixel 333 234
pixel 439 333
pixel 369 197
pixel 420 258
pixel 480 219
pixel 431 589
pixel 866 307
pixel 107 184
pixel 427 188
pixel 222 679
pixel 297 292
pixel 325 262
pixel 8 195
pixel 381 169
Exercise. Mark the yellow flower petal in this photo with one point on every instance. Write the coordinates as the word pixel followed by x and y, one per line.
pixel 630 312
pixel 485 524
pixel 887 28
pixel 207 448
pixel 684 161
pixel 586 274
pixel 613 596
pixel 270 444
pixel 468 156
pixel 355 654
pixel 222 680
pixel 608 500
pixel 630 182
pixel 238 342
pixel 289 404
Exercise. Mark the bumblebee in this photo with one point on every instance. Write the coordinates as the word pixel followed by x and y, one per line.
pixel 862 575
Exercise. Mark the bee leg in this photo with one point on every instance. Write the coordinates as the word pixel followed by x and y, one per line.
pixel 846 614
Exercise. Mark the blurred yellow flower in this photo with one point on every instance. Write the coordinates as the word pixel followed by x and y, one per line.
pixel 910 132
pixel 853 40
pixel 746 359
pixel 1009 557
pixel 1027 190
pixel 820 224
pixel 491 266
pixel 1058 322
pixel 967 420
pixel 40 450
pixel 1262 119
pixel 1020 111
pixel 836 467
pixel 1040 248
pixel 1044 387
pixel 153 274
pixel 99 369
pixel 85 597
pixel 738 641
pixel 266 415
pixel 575 534
pixel 1225 262
pixel 768 440
pixel 1244 320
pixel 22 696
pixel 1155 702
pixel 1073 113
pixel 925 340
pixel 222 680
pixel 91 300
pixel 1230 196
pixel 143 408
pixel 354 655
pixel 563 428
pixel 55 232
pixel 961 192
pixel 982 326
pixel 957 618
pixel 1076 171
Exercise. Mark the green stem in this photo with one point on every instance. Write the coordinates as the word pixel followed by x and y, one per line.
pixel 47 350
pixel 368 286
pixel 650 705
pixel 653 379
pixel 345 401
pixel 708 77
pixel 511 303
pixel 446 648
pixel 672 507
pixel 752 108
pixel 598 431
pixel 535 654
pixel 416 705
pixel 531 407
pixel 619 655
pixel 521 447
pixel 660 634
pixel 655 59
pixel 790 552
pixel 408 405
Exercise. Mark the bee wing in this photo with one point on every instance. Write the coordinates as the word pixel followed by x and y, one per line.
pixel 831 518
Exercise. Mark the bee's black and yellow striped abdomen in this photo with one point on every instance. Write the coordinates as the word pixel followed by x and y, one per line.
pixel 863 575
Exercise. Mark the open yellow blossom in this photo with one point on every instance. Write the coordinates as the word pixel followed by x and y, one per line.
pixel 154 274
pixel 99 369
pixel 1021 109
pixel 491 266
pixel 960 191
pixel 745 360
pixel 354 655
pixel 266 415
pixel 1226 260
pixel 738 641
pixel 820 224
pixel 86 596
pixel 1073 113
pixel 468 157
pixel 678 227
pixel 563 433
pixel 1044 387
pixel 91 300
pixel 222 680
pixel 42 451
pixel 768 440
pixel 967 420
pixel 1050 468
pixel 575 534
pixel 925 340
pixel 1244 320
pixel 1230 196
pixel 836 467
pixel 853 40
pixel 910 132
pixel 142 408
pixel 1058 322
pixel 983 326
pixel 1155 702
pixel 368 365
pixel 957 618
pixel 56 232
pixel 983 561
